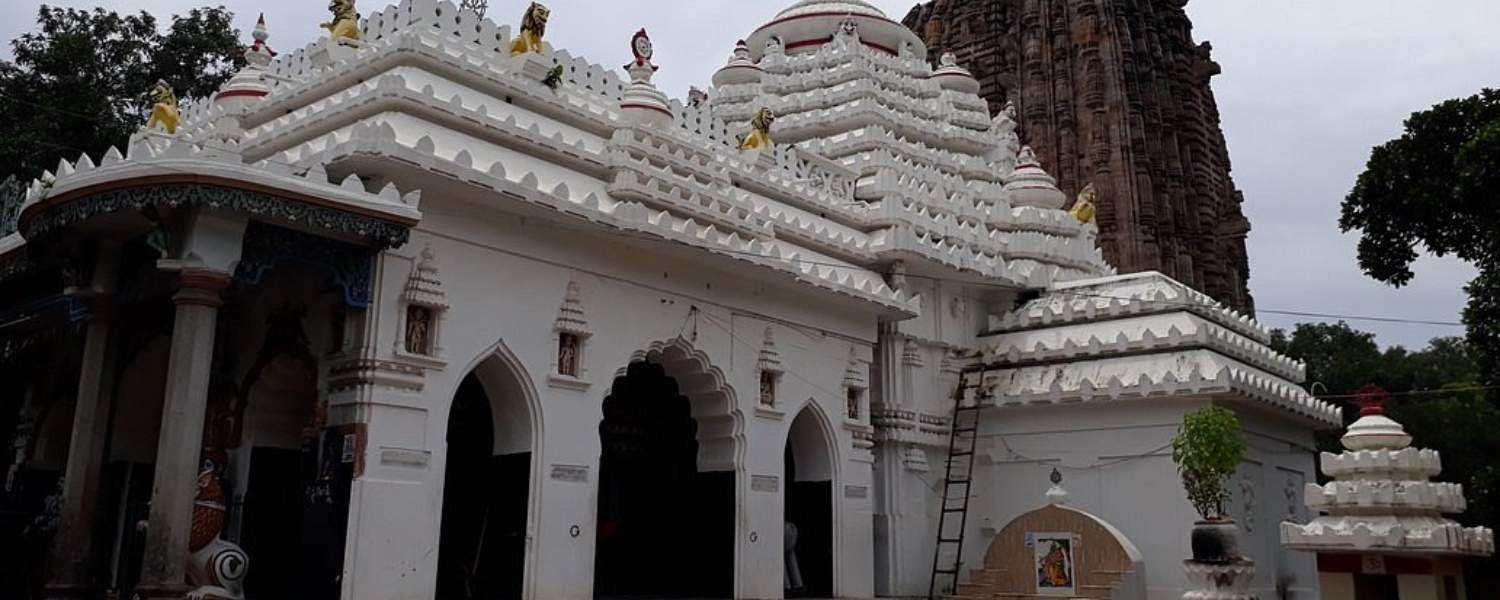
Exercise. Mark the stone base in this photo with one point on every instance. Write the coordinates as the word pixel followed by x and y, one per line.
pixel 1219 581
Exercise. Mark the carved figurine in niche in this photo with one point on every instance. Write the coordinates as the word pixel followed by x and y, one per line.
pixel 419 330
pixel 1084 207
pixel 760 130
pixel 767 388
pixel 569 346
pixel 345 23
pixel 773 46
pixel 216 567
pixel 533 28
pixel 163 107
pixel 853 398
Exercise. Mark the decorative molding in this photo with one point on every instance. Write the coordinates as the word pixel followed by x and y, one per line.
pixel 351 267
pixel 379 233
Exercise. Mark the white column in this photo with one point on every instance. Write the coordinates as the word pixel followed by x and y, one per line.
pixel 164 570
pixel 73 548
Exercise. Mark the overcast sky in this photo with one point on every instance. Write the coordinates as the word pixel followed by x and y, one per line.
pixel 1309 86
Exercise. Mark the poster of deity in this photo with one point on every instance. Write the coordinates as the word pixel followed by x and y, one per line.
pixel 1053 560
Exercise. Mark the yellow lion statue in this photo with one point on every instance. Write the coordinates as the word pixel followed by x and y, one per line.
pixel 345 23
pixel 163 108
pixel 760 130
pixel 533 27
pixel 1084 208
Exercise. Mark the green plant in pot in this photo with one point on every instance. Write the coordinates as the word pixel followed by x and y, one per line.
pixel 1208 449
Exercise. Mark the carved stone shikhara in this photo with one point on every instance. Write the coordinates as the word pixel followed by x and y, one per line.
pixel 1116 94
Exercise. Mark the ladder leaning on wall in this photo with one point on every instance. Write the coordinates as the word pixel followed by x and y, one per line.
pixel 963 438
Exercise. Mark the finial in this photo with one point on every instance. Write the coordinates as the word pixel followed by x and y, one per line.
pixel 1371 399
pixel 1056 494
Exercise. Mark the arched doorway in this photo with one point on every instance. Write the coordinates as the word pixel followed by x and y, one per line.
pixel 486 487
pixel 666 515
pixel 809 461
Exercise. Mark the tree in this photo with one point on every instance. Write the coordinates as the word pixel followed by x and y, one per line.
pixel 1438 187
pixel 80 82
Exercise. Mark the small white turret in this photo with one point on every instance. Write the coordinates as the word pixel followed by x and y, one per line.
pixel 1029 185
pixel 641 101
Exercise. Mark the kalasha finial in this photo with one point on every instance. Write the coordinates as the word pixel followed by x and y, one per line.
pixel 1056 476
pixel 1371 399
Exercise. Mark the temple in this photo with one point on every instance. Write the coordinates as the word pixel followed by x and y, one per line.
pixel 430 308
pixel 1117 94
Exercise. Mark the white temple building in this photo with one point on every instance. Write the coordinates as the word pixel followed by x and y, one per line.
pixel 447 312
pixel 1382 532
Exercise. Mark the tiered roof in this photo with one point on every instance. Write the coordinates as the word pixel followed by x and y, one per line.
pixel 1381 499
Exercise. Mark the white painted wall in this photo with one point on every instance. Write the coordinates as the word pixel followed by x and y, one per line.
pixel 505 279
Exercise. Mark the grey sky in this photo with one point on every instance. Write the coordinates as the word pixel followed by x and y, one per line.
pixel 1308 88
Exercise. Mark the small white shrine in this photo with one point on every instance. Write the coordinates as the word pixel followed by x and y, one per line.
pixel 1382 533
pixel 446 311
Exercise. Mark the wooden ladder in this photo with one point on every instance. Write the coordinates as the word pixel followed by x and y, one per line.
pixel 958 477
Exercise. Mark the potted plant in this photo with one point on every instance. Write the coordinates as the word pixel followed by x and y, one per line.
pixel 1208 448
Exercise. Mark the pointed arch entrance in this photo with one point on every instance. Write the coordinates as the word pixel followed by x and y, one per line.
pixel 809 462
pixel 488 483
pixel 670 446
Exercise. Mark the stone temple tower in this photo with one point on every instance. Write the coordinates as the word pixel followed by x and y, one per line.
pixel 1114 92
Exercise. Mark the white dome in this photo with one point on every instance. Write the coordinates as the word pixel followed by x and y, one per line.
pixel 840 7
pixel 808 24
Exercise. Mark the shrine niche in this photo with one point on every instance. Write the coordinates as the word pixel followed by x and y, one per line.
pixel 423 304
pixel 1058 551
pixel 768 378
pixel 571 333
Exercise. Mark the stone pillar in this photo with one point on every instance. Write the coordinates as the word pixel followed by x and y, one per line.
pixel 71 563
pixel 164 571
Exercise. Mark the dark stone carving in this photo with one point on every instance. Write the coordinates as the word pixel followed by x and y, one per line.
pixel 349 266
pixel 382 234
pixel 11 197
pixel 1114 93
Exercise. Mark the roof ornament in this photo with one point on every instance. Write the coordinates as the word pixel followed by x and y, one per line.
pixel 847 36
pixel 259 54
pixel 345 23
pixel 760 130
pixel 163 108
pixel 696 97
pixel 533 28
pixel 641 100
pixel 1056 494
pixel 774 47
pixel 475 6
pixel 1084 207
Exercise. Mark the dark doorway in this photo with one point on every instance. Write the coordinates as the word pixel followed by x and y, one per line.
pixel 665 529
pixel 1375 587
pixel 809 511
pixel 482 552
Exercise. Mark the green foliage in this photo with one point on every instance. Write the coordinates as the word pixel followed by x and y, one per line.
pixel 1437 187
pixel 81 81
pixel 1208 449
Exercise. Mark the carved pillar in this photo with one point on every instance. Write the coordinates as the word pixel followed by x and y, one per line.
pixel 164 571
pixel 72 574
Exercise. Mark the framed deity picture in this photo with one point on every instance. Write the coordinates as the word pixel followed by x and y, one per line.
pixel 1052 561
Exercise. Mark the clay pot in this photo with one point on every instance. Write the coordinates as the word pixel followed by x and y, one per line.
pixel 1216 541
